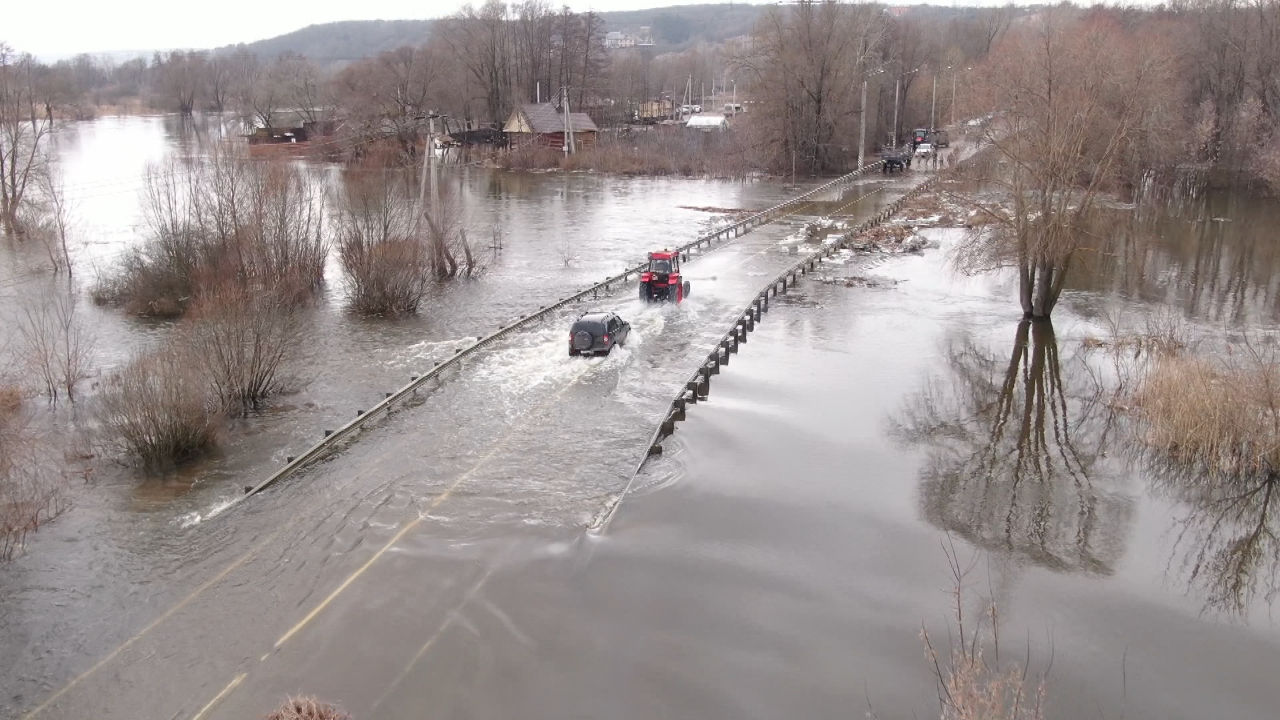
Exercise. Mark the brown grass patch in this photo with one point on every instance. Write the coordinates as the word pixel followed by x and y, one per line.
pixel 306 708
pixel 10 401
pixel 667 151
pixel 1221 415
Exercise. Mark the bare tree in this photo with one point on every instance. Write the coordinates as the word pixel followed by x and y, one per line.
pixel 803 65
pixel 243 341
pixel 479 39
pixel 58 343
pixel 220 221
pixel 48 219
pixel 393 89
pixel 301 85
pixel 26 121
pixel 386 257
pixel 1082 104
pixel 158 406
pixel 180 78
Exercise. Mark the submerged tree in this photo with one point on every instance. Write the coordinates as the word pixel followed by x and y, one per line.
pixel 1012 456
pixel 386 259
pixel 26 121
pixel 1083 107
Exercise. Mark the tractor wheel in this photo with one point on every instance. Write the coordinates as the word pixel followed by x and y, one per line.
pixel 644 292
pixel 685 288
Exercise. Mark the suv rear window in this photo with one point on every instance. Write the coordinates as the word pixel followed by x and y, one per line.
pixel 595 327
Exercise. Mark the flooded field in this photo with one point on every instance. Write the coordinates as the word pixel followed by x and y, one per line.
pixel 781 557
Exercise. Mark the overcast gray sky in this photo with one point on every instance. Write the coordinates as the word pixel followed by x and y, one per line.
pixel 52 29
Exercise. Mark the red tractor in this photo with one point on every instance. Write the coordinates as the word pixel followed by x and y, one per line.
pixel 662 280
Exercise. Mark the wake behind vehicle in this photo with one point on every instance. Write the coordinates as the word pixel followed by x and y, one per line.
pixel 662 281
pixel 597 332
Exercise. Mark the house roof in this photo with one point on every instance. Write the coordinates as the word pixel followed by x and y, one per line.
pixel 706 121
pixel 546 118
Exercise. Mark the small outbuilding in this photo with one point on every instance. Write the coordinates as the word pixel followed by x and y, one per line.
pixel 707 122
pixel 544 124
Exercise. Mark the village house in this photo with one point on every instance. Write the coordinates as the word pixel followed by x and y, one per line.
pixel 544 124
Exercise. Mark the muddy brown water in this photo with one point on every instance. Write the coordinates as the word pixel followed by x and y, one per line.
pixel 779 560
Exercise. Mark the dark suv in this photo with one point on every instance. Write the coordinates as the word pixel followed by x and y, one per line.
pixel 597 332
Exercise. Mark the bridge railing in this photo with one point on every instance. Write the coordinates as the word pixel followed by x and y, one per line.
pixel 331 438
pixel 698 386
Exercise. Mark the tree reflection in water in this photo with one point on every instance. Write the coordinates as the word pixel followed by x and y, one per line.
pixel 1227 533
pixel 1013 454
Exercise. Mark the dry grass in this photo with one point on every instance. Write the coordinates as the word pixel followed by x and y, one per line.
pixel 306 708
pixel 971 685
pixel 10 401
pixel 1220 415
pixel 666 151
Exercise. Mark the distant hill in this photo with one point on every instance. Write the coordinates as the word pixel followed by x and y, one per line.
pixel 339 43
pixel 680 26
pixel 672 28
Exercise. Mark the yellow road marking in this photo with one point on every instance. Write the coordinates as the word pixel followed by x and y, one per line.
pixel 435 503
pixel 373 712
pixel 169 613
pixel 230 686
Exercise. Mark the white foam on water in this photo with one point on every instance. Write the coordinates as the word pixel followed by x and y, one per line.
pixel 196 517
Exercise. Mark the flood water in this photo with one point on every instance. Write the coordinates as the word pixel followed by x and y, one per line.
pixel 778 560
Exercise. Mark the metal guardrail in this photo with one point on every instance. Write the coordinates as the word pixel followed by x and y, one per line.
pixel 332 437
pixel 698 386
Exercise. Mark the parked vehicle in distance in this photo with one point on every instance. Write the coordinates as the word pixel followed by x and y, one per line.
pixel 697 108
pixel 733 108
pixel 939 138
pixel 662 281
pixel 894 159
pixel 924 148
pixel 597 332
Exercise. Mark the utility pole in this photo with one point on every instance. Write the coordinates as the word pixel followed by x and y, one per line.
pixel 569 148
pixel 435 180
pixel 897 84
pixel 953 98
pixel 862 131
pixel 933 109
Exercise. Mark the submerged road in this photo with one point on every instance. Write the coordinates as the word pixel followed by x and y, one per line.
pixel 340 581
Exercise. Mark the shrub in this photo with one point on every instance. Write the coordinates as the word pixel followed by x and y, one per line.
pixel 28 497
pixel 159 407
pixel 384 254
pixel 224 221
pixel 306 708
pixel 57 343
pixel 242 341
